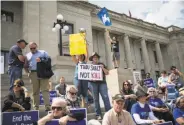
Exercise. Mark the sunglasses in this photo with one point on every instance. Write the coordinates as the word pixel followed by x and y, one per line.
pixel 72 93
pixel 17 86
pixel 57 108
pixel 32 48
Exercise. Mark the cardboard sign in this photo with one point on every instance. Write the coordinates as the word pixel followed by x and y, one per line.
pixel 20 118
pixel 77 44
pixel 149 82
pixel 53 94
pixel 166 123
pixel 90 72
pixel 82 122
pixel 137 76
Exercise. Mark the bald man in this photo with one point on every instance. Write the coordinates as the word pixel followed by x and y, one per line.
pixel 33 57
pixel 59 111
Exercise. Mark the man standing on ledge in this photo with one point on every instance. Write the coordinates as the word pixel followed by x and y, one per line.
pixel 38 84
pixel 16 61
pixel 114 49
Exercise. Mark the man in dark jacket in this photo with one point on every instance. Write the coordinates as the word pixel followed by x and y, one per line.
pixel 34 58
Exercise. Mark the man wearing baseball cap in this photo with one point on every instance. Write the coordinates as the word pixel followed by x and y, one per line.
pixel 16 61
pixel 118 116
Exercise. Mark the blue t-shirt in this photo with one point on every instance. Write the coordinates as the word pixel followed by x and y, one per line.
pixel 178 113
pixel 143 112
pixel 156 102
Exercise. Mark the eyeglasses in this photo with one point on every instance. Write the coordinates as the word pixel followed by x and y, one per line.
pixel 32 48
pixel 72 93
pixel 58 108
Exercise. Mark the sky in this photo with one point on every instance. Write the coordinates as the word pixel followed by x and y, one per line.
pixel 161 12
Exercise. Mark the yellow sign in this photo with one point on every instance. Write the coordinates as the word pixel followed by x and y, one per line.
pixel 77 44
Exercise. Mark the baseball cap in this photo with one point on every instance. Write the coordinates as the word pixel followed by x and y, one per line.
pixel 21 40
pixel 118 97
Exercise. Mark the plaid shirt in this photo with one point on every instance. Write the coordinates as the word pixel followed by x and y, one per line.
pixel 73 104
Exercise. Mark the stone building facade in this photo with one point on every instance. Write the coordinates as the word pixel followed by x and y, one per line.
pixel 144 46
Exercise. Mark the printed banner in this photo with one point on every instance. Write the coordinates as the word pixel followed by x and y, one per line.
pixel 82 122
pixel 53 94
pixel 137 76
pixel 77 44
pixel 20 118
pixel 104 17
pixel 90 72
pixel 149 82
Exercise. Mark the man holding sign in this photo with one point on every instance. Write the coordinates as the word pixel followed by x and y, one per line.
pixel 100 86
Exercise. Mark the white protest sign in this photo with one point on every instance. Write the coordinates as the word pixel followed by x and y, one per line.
pixel 90 72
pixel 137 76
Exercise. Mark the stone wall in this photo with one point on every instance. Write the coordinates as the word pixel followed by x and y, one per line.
pixel 11 31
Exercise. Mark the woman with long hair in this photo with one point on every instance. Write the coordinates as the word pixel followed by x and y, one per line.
pixel 18 99
pixel 128 93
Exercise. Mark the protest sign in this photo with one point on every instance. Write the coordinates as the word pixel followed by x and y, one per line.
pixel 90 72
pixel 81 122
pixel 166 123
pixel 20 118
pixel 52 94
pixel 149 82
pixel 77 44
pixel 53 122
pixel 137 76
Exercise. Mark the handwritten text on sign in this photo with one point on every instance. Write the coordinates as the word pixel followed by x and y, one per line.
pixel 52 94
pixel 90 72
pixel 20 118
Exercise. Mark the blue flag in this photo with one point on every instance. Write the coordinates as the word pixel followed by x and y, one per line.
pixel 104 17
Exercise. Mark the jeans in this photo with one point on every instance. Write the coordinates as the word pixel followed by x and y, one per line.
pixel 14 73
pixel 99 87
pixel 82 86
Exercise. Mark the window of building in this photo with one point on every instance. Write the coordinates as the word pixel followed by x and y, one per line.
pixel 141 54
pixel 143 74
pixel 65 46
pixel 5 56
pixel 155 56
pixel 7 16
pixel 70 30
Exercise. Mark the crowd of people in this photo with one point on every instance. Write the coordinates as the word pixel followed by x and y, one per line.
pixel 136 103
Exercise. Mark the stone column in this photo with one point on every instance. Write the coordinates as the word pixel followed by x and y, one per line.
pixel 122 52
pixel 108 51
pixel 147 65
pixel 159 56
pixel 128 51
pixel 31 22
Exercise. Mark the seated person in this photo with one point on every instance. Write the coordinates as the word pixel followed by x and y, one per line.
pixel 61 88
pixel 141 111
pixel 18 99
pixel 59 111
pixel 178 112
pixel 117 116
pixel 71 97
pixel 130 97
pixel 160 110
